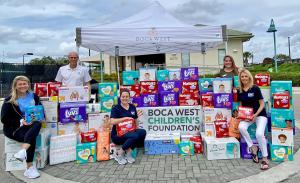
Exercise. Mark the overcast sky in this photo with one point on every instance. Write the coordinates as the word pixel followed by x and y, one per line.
pixel 47 27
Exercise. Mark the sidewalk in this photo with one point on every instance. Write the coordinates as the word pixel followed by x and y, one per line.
pixel 170 168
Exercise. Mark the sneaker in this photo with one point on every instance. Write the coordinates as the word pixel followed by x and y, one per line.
pixel 129 158
pixel 31 173
pixel 121 160
pixel 21 155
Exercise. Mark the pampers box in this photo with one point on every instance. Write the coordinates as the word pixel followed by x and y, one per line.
pixel 221 148
pixel 190 73
pixel 206 85
pixel 41 157
pixel 282 136
pixel 281 87
pixel 222 85
pixel 282 153
pixel 73 94
pixel 106 103
pixel 86 153
pixel 129 77
pixel 107 89
pixel 282 118
pixel 147 74
pixel 174 74
pixel 162 143
pixel 162 75
pixel 72 112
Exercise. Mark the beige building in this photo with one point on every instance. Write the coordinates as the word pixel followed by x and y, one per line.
pixel 210 62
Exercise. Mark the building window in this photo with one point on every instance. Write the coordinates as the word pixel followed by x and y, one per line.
pixel 185 59
pixel 221 54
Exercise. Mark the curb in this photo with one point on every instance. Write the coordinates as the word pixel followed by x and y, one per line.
pixel 278 173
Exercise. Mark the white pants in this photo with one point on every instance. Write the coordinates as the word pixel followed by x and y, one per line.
pixel 261 123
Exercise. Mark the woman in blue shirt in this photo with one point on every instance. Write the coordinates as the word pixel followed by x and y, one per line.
pixel 122 112
pixel 14 125
pixel 250 96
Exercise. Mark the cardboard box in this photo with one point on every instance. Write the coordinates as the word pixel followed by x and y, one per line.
pixel 190 87
pixel 168 99
pixel 74 94
pixel 222 85
pixel 128 77
pixel 43 139
pixel 106 103
pixel 34 113
pixel 162 143
pixel 50 110
pixel 282 87
pixel 216 114
pixel 281 100
pixel 221 148
pixel 188 100
pixel 52 126
pixel 209 130
pixel 223 100
pixel 147 74
pixel 169 86
pixel 282 153
pixel 40 159
pixel 149 100
pixel 174 74
pixel 52 89
pixel 207 100
pixel 86 153
pixel 72 112
pixel 93 108
pixel 63 141
pixel 40 89
pixel 282 136
pixel 190 73
pixel 262 80
pixel 62 155
pixel 12 164
pixel 162 75
pixel 206 85
pixel 107 89
pixel 245 150
pixel 149 87
pixel 11 146
pixel 282 118
pixel 71 128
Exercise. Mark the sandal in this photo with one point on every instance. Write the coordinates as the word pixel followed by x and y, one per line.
pixel 264 165
pixel 254 154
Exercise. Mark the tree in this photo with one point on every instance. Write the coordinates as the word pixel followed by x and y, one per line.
pixel 49 61
pixel 282 57
pixel 246 56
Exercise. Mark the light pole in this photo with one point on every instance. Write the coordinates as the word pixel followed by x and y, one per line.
pixel 289 48
pixel 23 59
pixel 273 29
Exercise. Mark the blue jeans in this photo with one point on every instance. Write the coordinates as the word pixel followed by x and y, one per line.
pixel 130 140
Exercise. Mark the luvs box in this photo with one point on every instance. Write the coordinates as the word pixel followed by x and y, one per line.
pixel 149 87
pixel 262 80
pixel 282 153
pixel 86 153
pixel 206 85
pixel 190 87
pixel 222 85
pixel 52 89
pixel 149 100
pixel 282 136
pixel 168 99
pixel 72 112
pixel 169 86
pixel 163 75
pixel 188 100
pixel 162 143
pixel 107 89
pixel 223 100
pixel 281 100
pixel 147 74
pixel 190 73
pixel 174 74
pixel 282 118
pixel 40 89
pixel 106 103
pixel 130 77
pixel 136 101
pixel 74 94
pixel 245 150
pixel 34 113
pixel 221 148
pixel 207 100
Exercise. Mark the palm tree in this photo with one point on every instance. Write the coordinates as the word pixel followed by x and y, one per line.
pixel 246 56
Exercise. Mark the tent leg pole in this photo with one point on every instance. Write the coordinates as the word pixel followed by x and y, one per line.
pixel 101 66
pixel 118 66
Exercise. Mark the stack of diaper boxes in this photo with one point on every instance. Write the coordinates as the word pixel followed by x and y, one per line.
pixel 107 96
pixel 40 157
pixel 283 122
pixel 131 83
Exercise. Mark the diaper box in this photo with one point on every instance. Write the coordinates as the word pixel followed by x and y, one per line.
pixel 282 87
pixel 62 155
pixel 40 159
pixel 169 86
pixel 53 88
pixel 190 73
pixel 147 74
pixel 62 141
pixel 43 139
pixel 86 153
pixel 282 118
pixel 149 100
pixel 136 101
pixel 223 100
pixel 73 94
pixel 221 148
pixel 168 99
pixel 190 87
pixel 149 87
pixel 34 113
pixel 40 89
pixel 162 143
pixel 216 114
pixel 72 112
pixel 206 85
pixel 95 121
pixel 93 108
pixel 135 90
pixel 52 126
pixel 222 85
pixel 12 164
pixel 129 77
pixel 266 93
pixel 209 130
pixel 50 110
pixel 11 145
pixel 281 100
pixel 162 75
pixel 282 153
pixel 106 103
pixel 282 136
pixel 72 128
pixel 186 148
pixel 207 100
pixel 188 99
pixel 107 89
pixel 245 150
pixel 174 74
pixel 262 80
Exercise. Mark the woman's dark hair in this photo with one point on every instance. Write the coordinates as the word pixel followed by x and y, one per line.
pixel 124 91
pixel 233 66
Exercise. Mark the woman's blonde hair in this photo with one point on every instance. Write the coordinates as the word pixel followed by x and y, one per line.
pixel 14 93
pixel 251 81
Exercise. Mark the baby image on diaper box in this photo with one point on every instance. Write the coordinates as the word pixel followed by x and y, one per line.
pixel 72 112
pixel 34 113
pixel 86 153
pixel 282 118
pixel 73 94
pixel 282 153
pixel 222 85
pixel 282 136
pixel 147 74
pixel 129 77
pixel 163 75
pixel 174 74
pixel 216 114
pixel 206 85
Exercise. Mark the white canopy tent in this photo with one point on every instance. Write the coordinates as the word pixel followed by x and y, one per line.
pixel 151 31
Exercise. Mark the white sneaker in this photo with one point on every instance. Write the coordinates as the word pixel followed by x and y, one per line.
pixel 21 155
pixel 31 173
pixel 129 158
pixel 121 159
